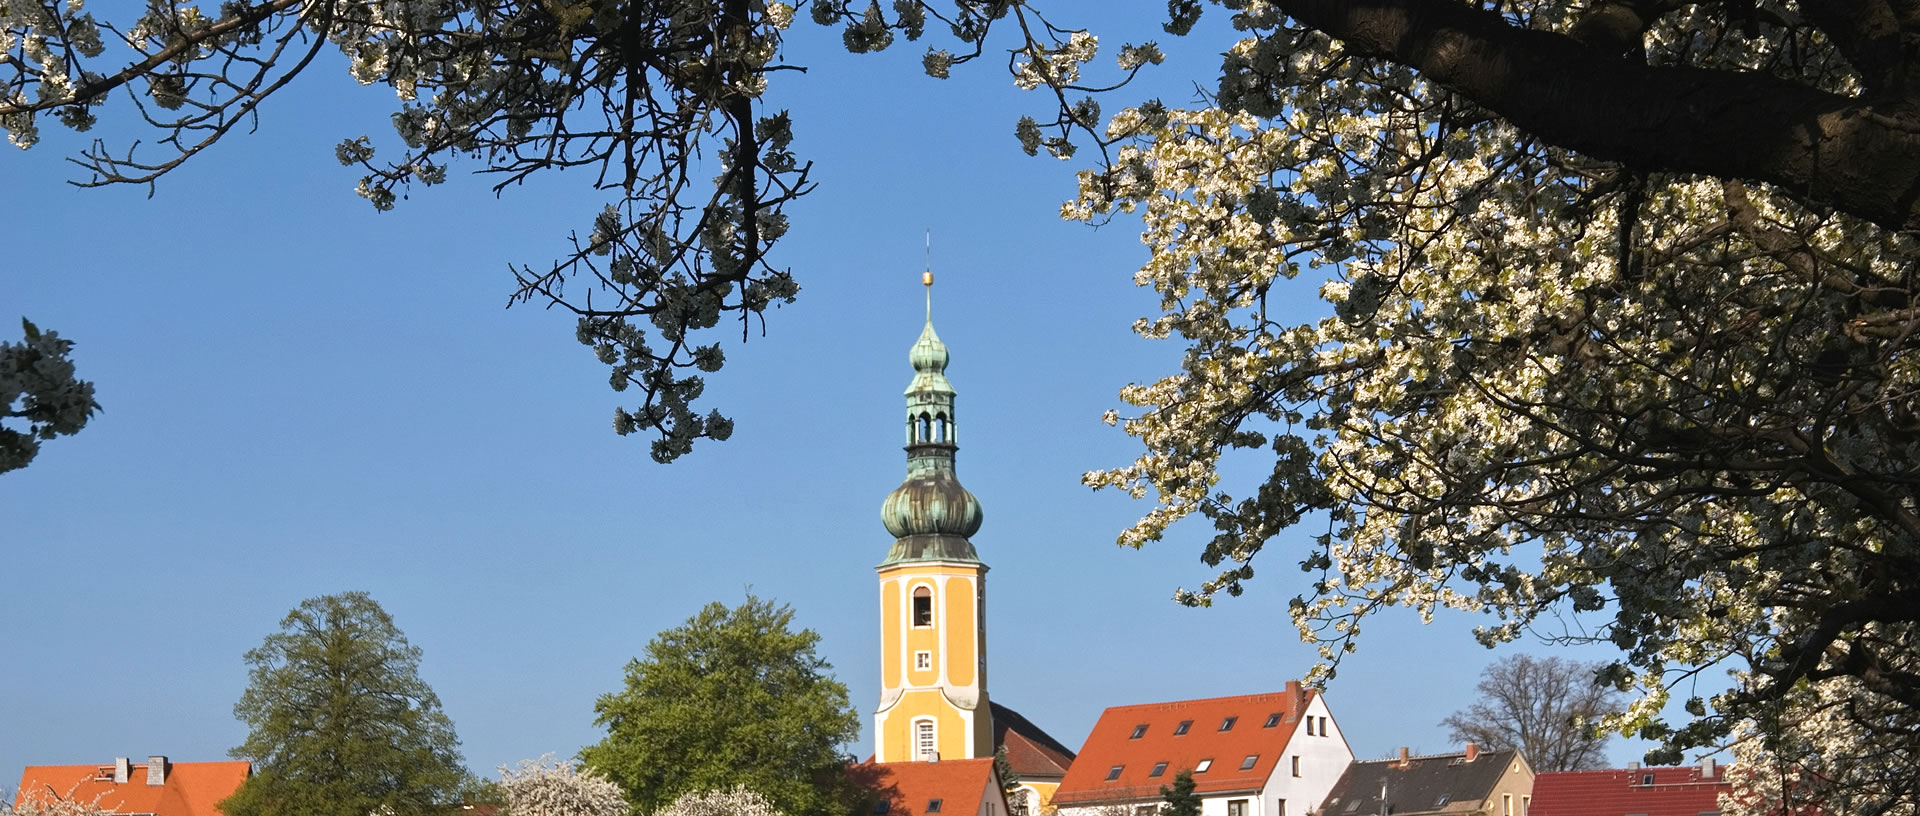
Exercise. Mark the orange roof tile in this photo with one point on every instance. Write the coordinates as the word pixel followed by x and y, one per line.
pixel 907 788
pixel 1672 792
pixel 190 789
pixel 1113 745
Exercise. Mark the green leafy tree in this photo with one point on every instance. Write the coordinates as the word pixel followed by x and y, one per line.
pixel 1003 768
pixel 734 697
pixel 1179 798
pixel 37 387
pixel 340 722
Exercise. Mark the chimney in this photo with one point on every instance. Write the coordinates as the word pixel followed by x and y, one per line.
pixel 156 771
pixel 1473 751
pixel 1404 761
pixel 1706 768
pixel 1633 766
pixel 1296 701
pixel 122 769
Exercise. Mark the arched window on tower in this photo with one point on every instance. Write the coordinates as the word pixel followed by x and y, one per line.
pixel 926 429
pixel 910 437
pixel 922 606
pixel 940 428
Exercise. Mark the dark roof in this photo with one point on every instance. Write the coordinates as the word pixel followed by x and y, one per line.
pixel 1031 751
pixel 1616 792
pixel 1112 745
pixel 1417 785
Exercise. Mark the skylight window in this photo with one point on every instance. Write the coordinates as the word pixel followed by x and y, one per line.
pixel 1274 719
pixel 1440 802
pixel 1158 769
pixel 933 806
pixel 1181 729
pixel 1247 764
pixel 1227 724
pixel 1204 765
pixel 1139 731
pixel 1114 772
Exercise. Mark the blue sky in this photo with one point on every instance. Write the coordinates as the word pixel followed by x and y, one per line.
pixel 304 396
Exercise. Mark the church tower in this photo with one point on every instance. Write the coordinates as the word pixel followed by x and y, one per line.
pixel 933 637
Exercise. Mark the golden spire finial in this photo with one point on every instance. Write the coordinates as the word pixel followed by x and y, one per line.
pixel 926 278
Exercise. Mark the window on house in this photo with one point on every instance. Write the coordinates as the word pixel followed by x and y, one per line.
pixel 1114 772
pixel 922 606
pixel 1353 806
pixel 1158 769
pixel 1323 726
pixel 1296 765
pixel 1247 764
pixel 1276 718
pixel 933 806
pixel 923 739
pixel 1181 729
pixel 1506 804
pixel 1236 807
pixel 1204 765
pixel 923 660
pixel 1227 724
pixel 1019 803
pixel 1441 802
pixel 1646 779
pixel 1139 731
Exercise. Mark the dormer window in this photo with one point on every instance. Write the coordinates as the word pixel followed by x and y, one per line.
pixel 1181 729
pixel 1139 731
pixel 922 606
pixel 1227 724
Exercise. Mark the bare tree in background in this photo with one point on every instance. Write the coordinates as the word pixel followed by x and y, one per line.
pixel 1540 705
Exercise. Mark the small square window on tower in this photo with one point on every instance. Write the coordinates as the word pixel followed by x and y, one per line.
pixel 923 661
pixel 922 606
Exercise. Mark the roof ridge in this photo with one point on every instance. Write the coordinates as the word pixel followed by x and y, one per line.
pixel 1256 697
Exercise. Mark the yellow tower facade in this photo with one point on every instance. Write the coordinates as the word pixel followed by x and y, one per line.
pixel 933 590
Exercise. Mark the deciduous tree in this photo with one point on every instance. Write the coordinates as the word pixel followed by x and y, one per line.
pixel 1548 707
pixel 544 787
pixel 340 723
pixel 733 697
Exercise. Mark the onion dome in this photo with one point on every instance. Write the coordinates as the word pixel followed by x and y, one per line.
pixel 934 504
pixel 930 515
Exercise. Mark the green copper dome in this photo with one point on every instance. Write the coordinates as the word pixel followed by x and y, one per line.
pixel 930 515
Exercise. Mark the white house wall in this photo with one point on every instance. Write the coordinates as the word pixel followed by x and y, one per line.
pixel 1323 758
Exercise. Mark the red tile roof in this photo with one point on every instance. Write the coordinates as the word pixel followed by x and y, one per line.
pixel 907 788
pixel 191 788
pixel 1618 792
pixel 1031 751
pixel 1112 744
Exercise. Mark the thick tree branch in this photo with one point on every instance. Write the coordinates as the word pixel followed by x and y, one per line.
pixel 1856 155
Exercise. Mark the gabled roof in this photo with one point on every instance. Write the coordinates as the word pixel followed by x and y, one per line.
pixel 907 788
pixel 1113 745
pixel 190 788
pixel 1441 783
pixel 1683 791
pixel 1031 751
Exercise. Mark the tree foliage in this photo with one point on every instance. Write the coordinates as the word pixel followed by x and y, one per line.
pixel 1179 799
pixel 544 787
pixel 733 697
pixel 340 723
pixel 37 387
pixel 735 801
pixel 1548 707
pixel 1620 347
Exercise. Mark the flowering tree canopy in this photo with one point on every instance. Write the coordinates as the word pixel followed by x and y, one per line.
pixel 544 787
pixel 738 801
pixel 37 386
pixel 1619 348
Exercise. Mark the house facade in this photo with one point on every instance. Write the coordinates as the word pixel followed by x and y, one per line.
pixel 1469 783
pixel 1272 754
